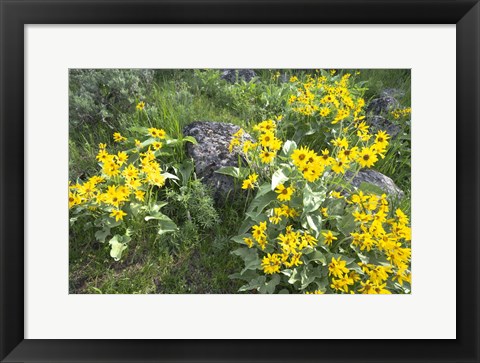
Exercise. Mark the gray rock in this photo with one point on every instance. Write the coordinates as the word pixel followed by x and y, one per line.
pixel 211 153
pixel 378 179
pixel 233 75
pixel 378 111
pixel 381 123
pixel 382 105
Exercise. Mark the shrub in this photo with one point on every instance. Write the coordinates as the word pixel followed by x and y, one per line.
pixel 99 95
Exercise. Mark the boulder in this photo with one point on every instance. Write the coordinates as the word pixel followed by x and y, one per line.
pixel 211 153
pixel 381 123
pixel 378 179
pixel 378 112
pixel 233 75
pixel 383 104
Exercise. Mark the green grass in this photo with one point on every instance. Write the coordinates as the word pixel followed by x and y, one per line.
pixel 194 260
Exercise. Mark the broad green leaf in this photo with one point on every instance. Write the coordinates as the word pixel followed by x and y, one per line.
pixel 314 221
pixel 257 218
pixel 246 225
pixel 246 276
pixel 348 260
pixel 335 206
pixel 157 206
pixel 312 200
pixel 136 208
pixel 269 287
pixel 229 170
pixel 288 147
pixel 295 276
pixel 239 238
pixel 172 142
pixel 139 130
pixel 186 170
pixel 102 234
pixel 346 224
pixel 249 256
pixel 117 247
pixel 317 256
pixel 189 139
pixel 254 284
pixel 170 176
pixel 166 225
pixel 278 178
pixel 369 188
pixel 363 257
pixel 111 222
pixel 263 189
pixel 259 203
pixel 308 275
pixel 322 283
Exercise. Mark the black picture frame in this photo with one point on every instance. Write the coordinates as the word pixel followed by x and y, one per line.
pixel 15 14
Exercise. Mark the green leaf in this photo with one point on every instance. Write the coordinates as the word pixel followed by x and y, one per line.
pixel 166 225
pixel 346 224
pixel 246 225
pixel 317 256
pixel 229 170
pixel 348 260
pixel 322 283
pixel 258 204
pixel 246 276
pixel 288 147
pixel 239 238
pixel 102 234
pixel 111 222
pixel 314 221
pixel 308 275
pixel 369 188
pixel 312 200
pixel 157 206
pixel 335 206
pixel 186 170
pixel 278 178
pixel 249 256
pixel 269 287
pixel 170 176
pixel 254 284
pixel 255 217
pixel 363 257
pixel 263 189
pixel 136 208
pixel 138 129
pixel 117 247
pixel 295 276
pixel 190 139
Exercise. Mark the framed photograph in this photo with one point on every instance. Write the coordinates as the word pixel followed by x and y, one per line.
pixel 247 181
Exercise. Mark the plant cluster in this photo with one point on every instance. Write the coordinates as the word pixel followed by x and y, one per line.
pixel 307 229
pixel 125 193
